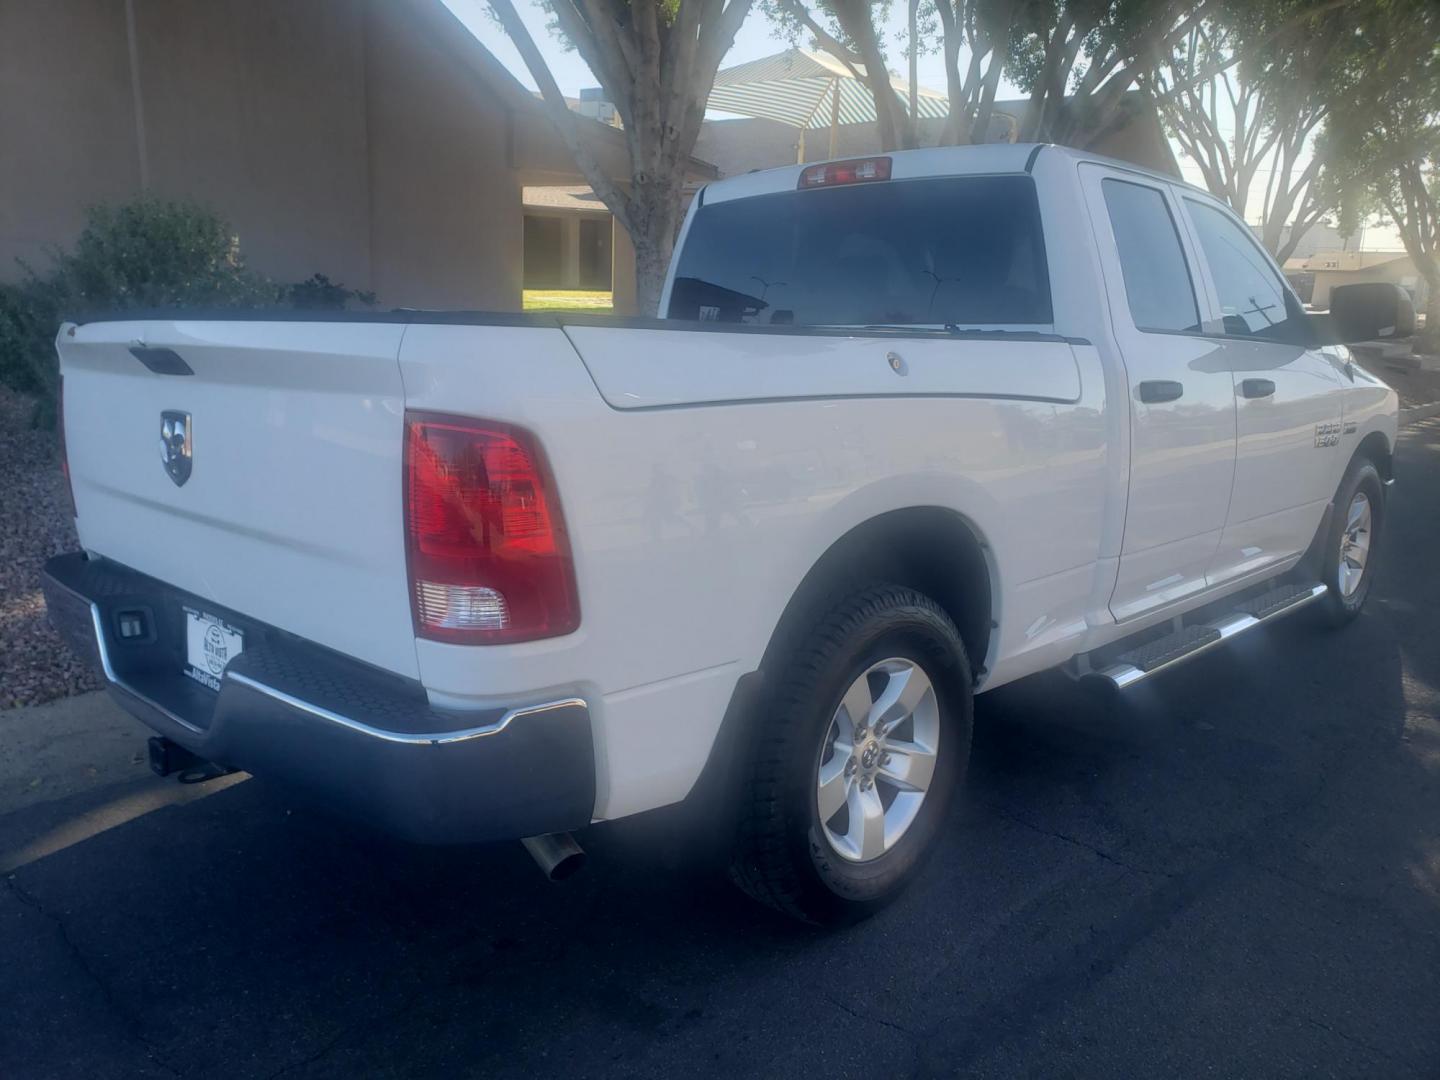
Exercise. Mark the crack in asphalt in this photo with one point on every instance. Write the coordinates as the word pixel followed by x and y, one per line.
pixel 1371 1047
pixel 1100 853
pixel 369 1024
pixel 130 1021
pixel 1361 900
pixel 871 1019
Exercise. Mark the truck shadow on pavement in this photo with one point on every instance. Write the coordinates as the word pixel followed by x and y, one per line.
pixel 1237 865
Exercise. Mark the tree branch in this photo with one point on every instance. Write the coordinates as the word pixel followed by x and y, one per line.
pixel 565 121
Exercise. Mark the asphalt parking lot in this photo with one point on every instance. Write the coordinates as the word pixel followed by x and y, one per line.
pixel 1235 872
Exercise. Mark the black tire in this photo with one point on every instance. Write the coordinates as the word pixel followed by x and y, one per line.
pixel 1338 607
pixel 782 856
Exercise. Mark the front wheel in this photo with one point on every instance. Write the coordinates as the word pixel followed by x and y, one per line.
pixel 856 758
pixel 1352 541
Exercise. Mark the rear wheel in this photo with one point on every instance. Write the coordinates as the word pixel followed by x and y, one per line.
pixel 1351 542
pixel 856 758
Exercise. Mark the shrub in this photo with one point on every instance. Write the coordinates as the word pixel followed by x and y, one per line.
pixel 153 253
pixel 319 293
pixel 146 253
pixel 28 321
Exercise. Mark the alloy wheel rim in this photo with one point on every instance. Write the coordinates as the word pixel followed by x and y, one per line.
pixel 1355 540
pixel 878 759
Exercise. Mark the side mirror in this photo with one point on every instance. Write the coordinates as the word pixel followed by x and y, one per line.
pixel 1370 311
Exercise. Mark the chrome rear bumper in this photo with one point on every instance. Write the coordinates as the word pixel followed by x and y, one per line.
pixel 364 742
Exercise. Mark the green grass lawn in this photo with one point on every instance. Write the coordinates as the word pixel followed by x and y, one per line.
pixel 586 301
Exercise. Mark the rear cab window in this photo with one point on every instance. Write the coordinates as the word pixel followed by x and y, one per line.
pixel 962 252
pixel 1158 288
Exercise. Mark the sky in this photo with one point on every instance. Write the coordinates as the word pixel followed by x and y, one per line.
pixel 757 38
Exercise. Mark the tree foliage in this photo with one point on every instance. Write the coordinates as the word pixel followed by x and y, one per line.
pixel 1246 95
pixel 1076 59
pixel 1247 88
pixel 1310 106
pixel 1387 134
pixel 984 29
pixel 144 253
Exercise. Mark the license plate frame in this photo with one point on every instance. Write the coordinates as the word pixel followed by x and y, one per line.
pixel 210 644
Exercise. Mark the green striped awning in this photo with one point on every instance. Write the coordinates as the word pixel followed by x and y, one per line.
pixel 799 88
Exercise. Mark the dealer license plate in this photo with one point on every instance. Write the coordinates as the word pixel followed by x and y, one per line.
pixel 210 644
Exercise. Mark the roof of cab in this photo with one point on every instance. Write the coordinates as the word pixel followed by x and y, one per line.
pixel 987 158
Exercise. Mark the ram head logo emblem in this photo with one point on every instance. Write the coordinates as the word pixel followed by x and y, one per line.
pixel 175 445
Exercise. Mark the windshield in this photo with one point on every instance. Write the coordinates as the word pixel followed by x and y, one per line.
pixel 964 251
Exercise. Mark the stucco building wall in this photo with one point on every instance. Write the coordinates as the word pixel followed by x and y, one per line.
pixel 374 141
pixel 446 223
pixel 68 141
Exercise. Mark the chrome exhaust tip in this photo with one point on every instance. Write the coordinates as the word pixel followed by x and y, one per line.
pixel 557 854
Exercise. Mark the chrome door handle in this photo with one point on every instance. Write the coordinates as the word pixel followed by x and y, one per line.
pixel 1155 391
pixel 1256 388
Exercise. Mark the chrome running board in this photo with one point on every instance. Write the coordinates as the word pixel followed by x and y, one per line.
pixel 1191 641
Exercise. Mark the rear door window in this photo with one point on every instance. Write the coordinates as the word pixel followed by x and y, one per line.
pixel 961 251
pixel 1157 279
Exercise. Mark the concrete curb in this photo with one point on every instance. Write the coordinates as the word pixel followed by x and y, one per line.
pixel 1418 413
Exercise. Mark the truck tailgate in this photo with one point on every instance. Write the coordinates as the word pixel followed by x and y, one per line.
pixel 291 512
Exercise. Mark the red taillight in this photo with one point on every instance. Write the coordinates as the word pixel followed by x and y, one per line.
pixel 64 451
pixel 488 556
pixel 834 173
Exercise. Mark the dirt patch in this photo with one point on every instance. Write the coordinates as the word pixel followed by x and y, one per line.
pixel 35 523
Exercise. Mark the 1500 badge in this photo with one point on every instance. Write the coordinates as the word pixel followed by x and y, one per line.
pixel 1327 434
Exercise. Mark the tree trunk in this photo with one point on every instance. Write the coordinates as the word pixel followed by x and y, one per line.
pixel 652 262
pixel 1282 252
pixel 914 61
pixel 1429 341
pixel 980 122
pixel 1417 218
pixel 657 63
pixel 896 129
pixel 951 134
pixel 653 232
pixel 1047 99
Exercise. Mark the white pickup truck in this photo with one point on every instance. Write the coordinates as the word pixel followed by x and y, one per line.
pixel 913 427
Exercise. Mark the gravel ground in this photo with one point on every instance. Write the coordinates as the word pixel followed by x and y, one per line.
pixel 35 523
